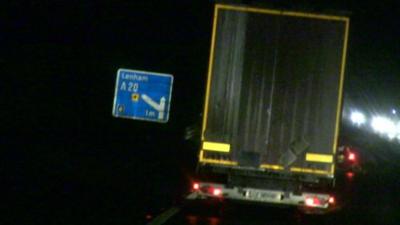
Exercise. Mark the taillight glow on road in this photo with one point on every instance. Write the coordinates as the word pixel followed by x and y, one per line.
pixel 350 175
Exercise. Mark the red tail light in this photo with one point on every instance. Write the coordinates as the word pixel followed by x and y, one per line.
pixel 309 201
pixel 196 186
pixel 351 157
pixel 217 192
pixel 331 200
pixel 312 201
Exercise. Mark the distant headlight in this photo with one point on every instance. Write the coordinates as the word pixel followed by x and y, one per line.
pixel 383 125
pixel 357 118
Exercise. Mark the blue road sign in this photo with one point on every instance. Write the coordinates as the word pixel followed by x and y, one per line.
pixel 142 95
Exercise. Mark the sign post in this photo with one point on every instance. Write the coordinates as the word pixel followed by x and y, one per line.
pixel 142 95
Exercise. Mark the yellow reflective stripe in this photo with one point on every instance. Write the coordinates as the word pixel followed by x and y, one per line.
pixel 216 161
pixel 201 154
pixel 313 157
pixel 332 168
pixel 280 12
pixel 248 9
pixel 273 167
pixel 340 97
pixel 313 16
pixel 217 147
pixel 209 73
pixel 307 170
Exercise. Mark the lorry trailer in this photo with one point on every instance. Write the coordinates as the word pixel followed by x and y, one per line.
pixel 272 107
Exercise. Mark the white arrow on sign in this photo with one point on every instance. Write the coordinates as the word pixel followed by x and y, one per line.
pixel 160 107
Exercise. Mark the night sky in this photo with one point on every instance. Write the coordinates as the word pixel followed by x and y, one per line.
pixel 65 158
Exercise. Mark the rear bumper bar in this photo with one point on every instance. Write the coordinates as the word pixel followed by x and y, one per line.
pixel 206 191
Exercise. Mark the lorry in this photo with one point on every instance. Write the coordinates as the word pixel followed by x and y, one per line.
pixel 272 107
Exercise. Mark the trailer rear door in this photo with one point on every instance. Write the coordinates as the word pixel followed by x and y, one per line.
pixel 274 90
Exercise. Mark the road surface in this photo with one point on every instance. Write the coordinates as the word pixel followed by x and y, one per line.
pixel 375 200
